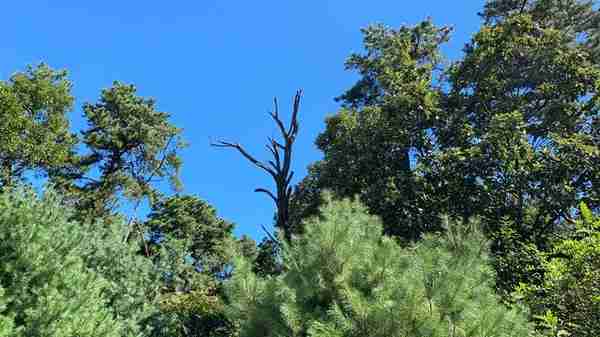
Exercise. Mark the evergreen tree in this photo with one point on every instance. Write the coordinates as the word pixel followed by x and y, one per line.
pixel 193 221
pixel 34 129
pixel 7 323
pixel 344 278
pixel 130 147
pixel 50 285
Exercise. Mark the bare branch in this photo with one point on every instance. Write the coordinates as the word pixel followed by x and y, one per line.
pixel 275 143
pixel 289 178
pixel 246 155
pixel 275 115
pixel 270 235
pixel 274 147
pixel 293 130
pixel 269 193
pixel 279 167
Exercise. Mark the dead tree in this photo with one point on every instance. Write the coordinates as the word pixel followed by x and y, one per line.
pixel 279 168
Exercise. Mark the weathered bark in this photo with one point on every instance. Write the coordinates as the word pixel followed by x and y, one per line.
pixel 279 168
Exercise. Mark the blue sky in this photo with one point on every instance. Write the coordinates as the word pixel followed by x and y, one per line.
pixel 215 65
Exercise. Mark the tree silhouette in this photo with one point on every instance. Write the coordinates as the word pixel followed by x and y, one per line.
pixel 279 168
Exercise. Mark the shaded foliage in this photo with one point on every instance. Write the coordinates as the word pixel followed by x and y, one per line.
pixel 568 299
pixel 192 247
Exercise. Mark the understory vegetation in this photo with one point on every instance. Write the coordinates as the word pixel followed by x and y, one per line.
pixel 453 199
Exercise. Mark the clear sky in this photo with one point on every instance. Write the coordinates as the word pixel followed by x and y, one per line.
pixel 215 65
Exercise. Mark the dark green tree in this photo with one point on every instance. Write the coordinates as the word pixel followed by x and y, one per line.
pixel 387 118
pixel 518 147
pixel 192 249
pixel 191 220
pixel 268 259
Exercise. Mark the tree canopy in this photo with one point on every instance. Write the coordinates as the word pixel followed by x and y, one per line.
pixel 478 180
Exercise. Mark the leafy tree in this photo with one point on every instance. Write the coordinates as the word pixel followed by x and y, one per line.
pixel 568 298
pixel 515 70
pixel 130 145
pixel 519 140
pixel 34 130
pixel 191 247
pixel 344 278
pixel 52 282
pixel 191 220
pixel 386 119
pixel 580 17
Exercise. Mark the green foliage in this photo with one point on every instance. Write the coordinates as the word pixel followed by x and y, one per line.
pixel 509 134
pixel 134 283
pixel 131 145
pixel 34 130
pixel 569 297
pixel 386 118
pixel 504 131
pixel 344 278
pixel 519 141
pixel 195 313
pixel 517 68
pixel 516 259
pixel 267 261
pixel 580 17
pixel 247 247
pixel 51 289
pixel 193 221
pixel 191 248
pixel 7 323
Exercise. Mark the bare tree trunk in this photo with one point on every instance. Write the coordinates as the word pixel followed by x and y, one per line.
pixel 279 168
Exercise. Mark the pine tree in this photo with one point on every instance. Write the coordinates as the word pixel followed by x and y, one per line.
pixel 66 279
pixel 344 278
